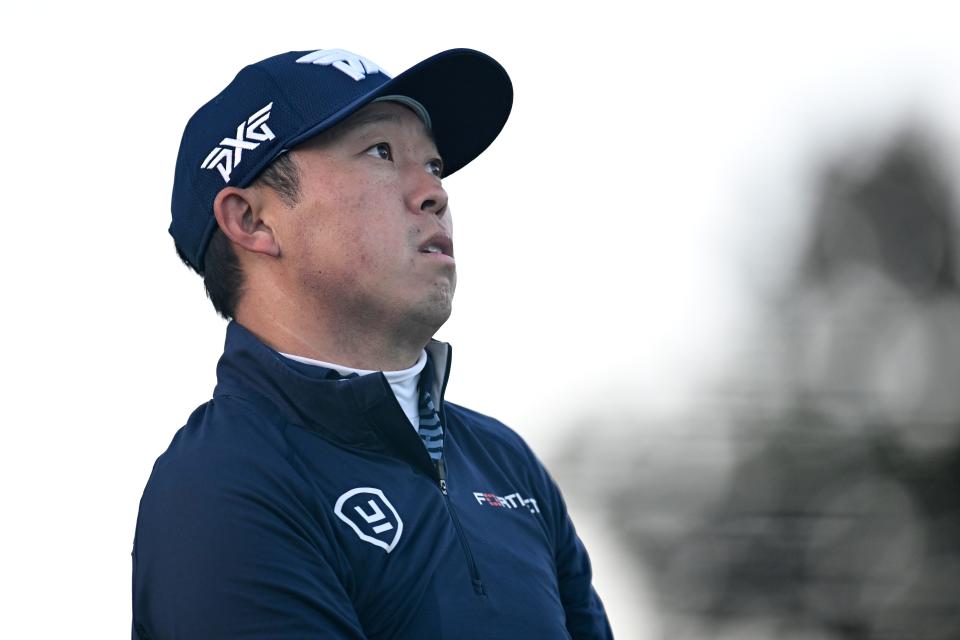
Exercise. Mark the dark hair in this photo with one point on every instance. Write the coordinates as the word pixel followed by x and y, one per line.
pixel 222 274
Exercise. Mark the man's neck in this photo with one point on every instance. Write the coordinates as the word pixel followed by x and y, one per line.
pixel 349 344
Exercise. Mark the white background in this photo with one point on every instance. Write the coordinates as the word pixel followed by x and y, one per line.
pixel 609 243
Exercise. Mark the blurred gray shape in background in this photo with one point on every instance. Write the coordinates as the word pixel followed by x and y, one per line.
pixel 816 492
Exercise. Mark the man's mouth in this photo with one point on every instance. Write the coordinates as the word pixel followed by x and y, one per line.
pixel 438 244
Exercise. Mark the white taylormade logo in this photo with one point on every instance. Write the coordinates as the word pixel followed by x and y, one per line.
pixel 357 67
pixel 250 133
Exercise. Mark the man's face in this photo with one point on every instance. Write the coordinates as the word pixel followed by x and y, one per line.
pixel 370 239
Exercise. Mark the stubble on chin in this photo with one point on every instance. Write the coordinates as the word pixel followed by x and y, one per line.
pixel 438 306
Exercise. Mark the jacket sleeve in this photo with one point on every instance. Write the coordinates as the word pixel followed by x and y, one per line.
pixel 586 618
pixel 229 548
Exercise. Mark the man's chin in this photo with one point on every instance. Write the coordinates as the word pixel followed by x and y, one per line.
pixel 434 312
pixel 435 316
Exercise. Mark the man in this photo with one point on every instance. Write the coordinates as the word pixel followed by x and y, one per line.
pixel 328 490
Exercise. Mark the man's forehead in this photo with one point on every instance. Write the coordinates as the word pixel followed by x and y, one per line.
pixel 382 112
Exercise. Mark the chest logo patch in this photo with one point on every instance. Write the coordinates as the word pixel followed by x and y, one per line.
pixel 512 501
pixel 371 516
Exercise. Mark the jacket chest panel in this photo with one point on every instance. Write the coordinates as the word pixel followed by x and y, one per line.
pixel 477 552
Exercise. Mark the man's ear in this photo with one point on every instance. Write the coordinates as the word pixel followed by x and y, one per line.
pixel 238 212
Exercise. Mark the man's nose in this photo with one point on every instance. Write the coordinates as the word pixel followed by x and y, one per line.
pixel 427 195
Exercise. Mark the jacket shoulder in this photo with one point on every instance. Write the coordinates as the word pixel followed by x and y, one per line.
pixel 500 444
pixel 225 433
pixel 228 527
pixel 489 431
pixel 228 453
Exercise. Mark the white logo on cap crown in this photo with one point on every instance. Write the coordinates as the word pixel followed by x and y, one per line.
pixel 357 67
pixel 228 154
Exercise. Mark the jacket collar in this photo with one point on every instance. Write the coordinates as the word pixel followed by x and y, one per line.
pixel 360 412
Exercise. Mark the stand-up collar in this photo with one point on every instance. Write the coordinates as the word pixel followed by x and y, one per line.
pixel 361 411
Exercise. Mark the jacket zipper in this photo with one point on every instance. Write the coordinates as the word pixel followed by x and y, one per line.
pixel 471 563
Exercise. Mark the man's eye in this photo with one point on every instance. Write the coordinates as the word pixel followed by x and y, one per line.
pixel 381 150
pixel 435 167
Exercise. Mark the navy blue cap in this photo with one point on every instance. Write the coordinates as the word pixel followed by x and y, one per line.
pixel 277 103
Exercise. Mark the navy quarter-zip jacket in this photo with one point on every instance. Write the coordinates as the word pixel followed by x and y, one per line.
pixel 293 505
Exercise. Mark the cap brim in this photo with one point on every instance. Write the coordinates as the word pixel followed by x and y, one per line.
pixel 467 94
